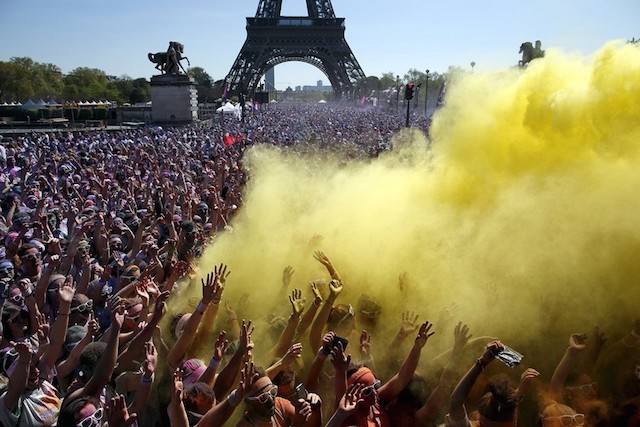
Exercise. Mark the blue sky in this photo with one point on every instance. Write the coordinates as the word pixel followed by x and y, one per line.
pixel 385 36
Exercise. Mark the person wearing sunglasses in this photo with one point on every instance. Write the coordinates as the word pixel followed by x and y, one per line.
pixel 581 394
pixel 81 307
pixel 7 270
pixel 559 415
pixel 31 262
pixel 264 407
pixel 30 399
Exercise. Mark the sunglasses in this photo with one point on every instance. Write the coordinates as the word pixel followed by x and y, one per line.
pixel 586 388
pixel 266 396
pixel 83 250
pixel 6 270
pixel 85 306
pixel 31 257
pixel 568 420
pixel 17 299
pixel 367 391
pixel 92 420
pixel 350 313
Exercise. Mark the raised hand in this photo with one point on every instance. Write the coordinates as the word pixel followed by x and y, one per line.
pixel 247 377
pixel 365 345
pixel 117 310
pixel 246 343
pixel 322 259
pixel 403 281
pixel 220 346
pixel 409 323
pixel 178 385
pixel 339 360
pixel 460 336
pixel 93 327
pixel 221 273
pixel 43 327
pixel 24 350
pixel 317 296
pixel 286 276
pixel 424 334
pixel 143 293
pixel 209 288
pixel 67 290
pixel 118 414
pixel 335 287
pixel 577 342
pixel 351 399
pixel 493 348
pixel 150 358
pixel 327 343
pixel 294 352
pixel 161 305
pixel 526 379
pixel 297 302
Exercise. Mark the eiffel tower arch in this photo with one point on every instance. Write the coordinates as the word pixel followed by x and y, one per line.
pixel 272 39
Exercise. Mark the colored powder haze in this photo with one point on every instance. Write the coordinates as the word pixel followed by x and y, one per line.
pixel 524 210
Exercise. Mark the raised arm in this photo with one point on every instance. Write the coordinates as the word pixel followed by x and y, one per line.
pixel 105 366
pixel 228 375
pixel 456 404
pixel 437 399
pixel 317 328
pixel 577 343
pixel 310 314
pixel 146 380
pixel 390 390
pixel 315 369
pixel 59 327
pixel 219 414
pixel 182 345
pixel 20 376
pixel 219 349
pixel 286 338
pixel 176 411
pixel 340 363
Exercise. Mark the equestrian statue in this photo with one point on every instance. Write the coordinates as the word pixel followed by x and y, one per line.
pixel 169 62
pixel 529 52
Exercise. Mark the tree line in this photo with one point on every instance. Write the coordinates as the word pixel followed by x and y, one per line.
pixel 22 78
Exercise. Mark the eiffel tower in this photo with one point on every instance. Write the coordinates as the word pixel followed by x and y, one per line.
pixel 317 39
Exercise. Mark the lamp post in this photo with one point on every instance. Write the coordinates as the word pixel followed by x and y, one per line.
pixel 426 92
pixel 473 64
pixel 397 93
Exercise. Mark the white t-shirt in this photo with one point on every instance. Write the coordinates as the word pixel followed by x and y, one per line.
pixel 39 407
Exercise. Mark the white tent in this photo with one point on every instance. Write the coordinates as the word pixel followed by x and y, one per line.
pixel 228 108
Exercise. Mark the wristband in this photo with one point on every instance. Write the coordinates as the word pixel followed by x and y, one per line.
pixel 147 380
pixel 202 306
pixel 214 363
pixel 233 398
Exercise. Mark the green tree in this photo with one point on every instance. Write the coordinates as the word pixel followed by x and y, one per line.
pixel 388 80
pixel 204 84
pixel 201 77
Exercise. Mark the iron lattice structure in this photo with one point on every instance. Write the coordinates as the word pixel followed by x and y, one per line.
pixel 317 39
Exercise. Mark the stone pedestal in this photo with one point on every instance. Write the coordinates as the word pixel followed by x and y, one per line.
pixel 174 99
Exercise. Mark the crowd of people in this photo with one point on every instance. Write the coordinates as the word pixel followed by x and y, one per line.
pixel 102 232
